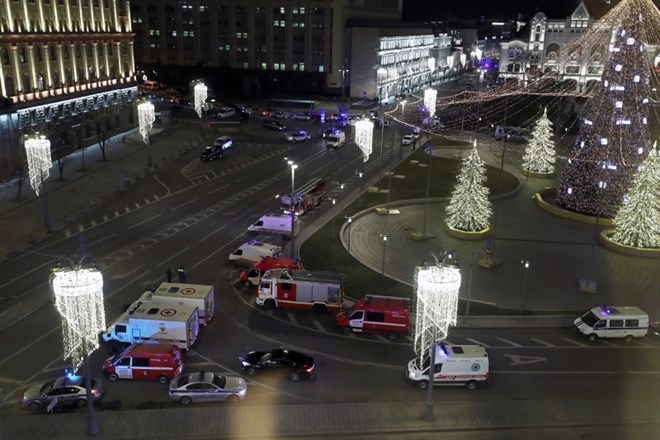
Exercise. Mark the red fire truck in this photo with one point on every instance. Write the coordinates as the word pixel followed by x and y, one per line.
pixel 306 197
pixel 252 277
pixel 301 289
pixel 377 314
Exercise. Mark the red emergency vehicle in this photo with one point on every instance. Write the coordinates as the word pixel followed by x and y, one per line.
pixel 306 197
pixel 252 277
pixel 379 314
pixel 301 289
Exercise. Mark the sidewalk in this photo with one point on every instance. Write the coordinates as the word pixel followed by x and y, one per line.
pixel 340 419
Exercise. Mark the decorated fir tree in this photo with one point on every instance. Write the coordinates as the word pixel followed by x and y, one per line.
pixel 469 208
pixel 539 156
pixel 637 223
pixel 613 136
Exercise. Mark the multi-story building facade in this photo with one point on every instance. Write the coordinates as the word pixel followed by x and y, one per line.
pixel 62 62
pixel 282 44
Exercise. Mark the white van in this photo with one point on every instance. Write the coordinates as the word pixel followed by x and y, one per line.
pixel 253 251
pixel 335 140
pixel 613 322
pixel 454 365
pixel 275 224
pixel 512 134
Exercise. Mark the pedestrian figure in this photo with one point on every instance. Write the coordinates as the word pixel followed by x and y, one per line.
pixel 169 275
pixel 182 274
pixel 414 144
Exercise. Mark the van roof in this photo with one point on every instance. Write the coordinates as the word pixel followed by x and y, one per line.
pixel 604 311
pixel 160 312
pixel 273 263
pixel 152 348
pixel 460 351
pixel 261 244
pixel 176 290
pixel 389 302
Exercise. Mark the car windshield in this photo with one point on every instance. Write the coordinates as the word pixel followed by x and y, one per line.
pixel 219 381
pixel 266 357
pixel 590 319
pixel 47 387
pixel 183 380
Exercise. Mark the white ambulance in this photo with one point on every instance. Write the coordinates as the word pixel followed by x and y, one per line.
pixel 254 251
pixel 613 322
pixel 454 365
pixel 275 223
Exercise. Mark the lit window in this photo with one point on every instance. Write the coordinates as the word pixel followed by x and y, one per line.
pixel 301 67
pixel 264 66
pixel 174 33
pixel 282 10
pixel 321 69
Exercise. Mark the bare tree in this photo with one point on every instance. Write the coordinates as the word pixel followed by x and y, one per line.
pixel 104 127
pixel 13 168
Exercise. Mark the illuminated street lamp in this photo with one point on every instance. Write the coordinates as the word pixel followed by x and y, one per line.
pixel 381 74
pixel 437 287
pixel 350 221
pixel 293 206
pixel 525 264
pixel 382 270
pixel 201 93
pixel 403 107
pixel 78 292
pixel 146 118
pixel 39 161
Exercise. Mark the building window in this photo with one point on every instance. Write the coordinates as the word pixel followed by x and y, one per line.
pixel 321 69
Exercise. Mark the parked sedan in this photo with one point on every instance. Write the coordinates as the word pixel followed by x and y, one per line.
pixel 273 125
pixel 206 386
pixel 291 363
pixel 69 391
pixel 407 139
pixel 212 153
pixel 302 116
pixel 297 136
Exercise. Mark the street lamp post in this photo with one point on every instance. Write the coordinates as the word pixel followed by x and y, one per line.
pixel 403 107
pixel 525 264
pixel 360 175
pixel 429 151
pixel 382 270
pixel 293 205
pixel 343 71
pixel 380 78
pixel 341 200
pixel 380 160
pixel 350 221
pixel 334 214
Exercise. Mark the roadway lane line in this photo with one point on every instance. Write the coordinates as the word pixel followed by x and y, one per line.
pixel 173 256
pixel 291 318
pixel 574 342
pixel 244 213
pixel 102 239
pixel 11 381
pixel 183 204
pixel 208 235
pixel 24 274
pixel 474 341
pixel 319 326
pixel 244 177
pixel 611 344
pixel 382 338
pixel 218 250
pixel 217 189
pixel 538 341
pixel 509 342
pixel 143 221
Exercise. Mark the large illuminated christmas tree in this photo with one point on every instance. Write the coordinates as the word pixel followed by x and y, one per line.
pixel 469 208
pixel 614 137
pixel 638 221
pixel 539 156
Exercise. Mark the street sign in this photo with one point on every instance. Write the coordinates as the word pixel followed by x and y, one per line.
pixel 51 405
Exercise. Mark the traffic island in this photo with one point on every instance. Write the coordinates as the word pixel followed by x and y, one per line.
pixel 469 235
pixel 605 240
pixel 528 173
pixel 546 201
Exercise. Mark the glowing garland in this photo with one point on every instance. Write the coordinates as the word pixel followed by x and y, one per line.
pixel 637 223
pixel 539 155
pixel 39 161
pixel 201 93
pixel 79 300
pixel 364 131
pixel 146 118
pixel 437 304
pixel 429 101
pixel 469 208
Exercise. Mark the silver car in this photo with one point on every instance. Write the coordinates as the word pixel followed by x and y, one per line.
pixel 206 386
pixel 297 136
pixel 69 391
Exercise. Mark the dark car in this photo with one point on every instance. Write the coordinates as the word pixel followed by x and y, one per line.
pixel 68 391
pixel 291 363
pixel 329 132
pixel 273 125
pixel 212 153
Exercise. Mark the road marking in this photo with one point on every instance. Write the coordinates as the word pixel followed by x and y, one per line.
pixel 547 344
pixel 382 338
pixel 523 360
pixel 509 342
pixel 318 325
pixel 183 204
pixel 173 256
pixel 611 344
pixel 143 221
pixel 574 342
pixel 208 235
pixel 245 177
pixel 217 189
pixel 246 212
pixel 291 318
pixel 474 341
pixel 10 381
pixel 102 239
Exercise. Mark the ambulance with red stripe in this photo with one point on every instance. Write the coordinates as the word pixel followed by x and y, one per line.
pixel 153 323
pixel 252 277
pixel 464 365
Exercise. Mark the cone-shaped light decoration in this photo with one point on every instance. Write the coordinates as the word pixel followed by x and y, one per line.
pixel 146 118
pixel 429 100
pixel 39 161
pixel 201 93
pixel 364 134
pixel 437 303
pixel 79 300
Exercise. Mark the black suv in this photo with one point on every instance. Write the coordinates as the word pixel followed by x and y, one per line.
pixel 273 125
pixel 212 153
pixel 289 363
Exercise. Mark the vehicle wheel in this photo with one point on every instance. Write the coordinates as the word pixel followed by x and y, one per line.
pixel 423 384
pixel 628 338
pixel 34 407
pixel 392 335
pixel 472 385
pixel 163 379
pixel 247 284
pixel 250 371
pixel 81 403
pixel 319 308
pixel 593 337
pixel 113 377
pixel 233 398
pixel 185 400
pixel 295 377
pixel 270 304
